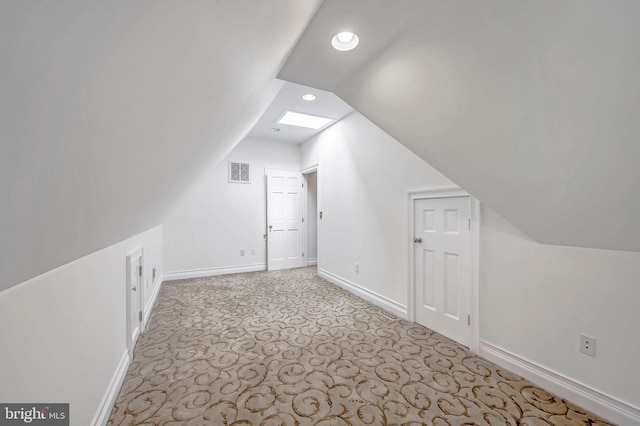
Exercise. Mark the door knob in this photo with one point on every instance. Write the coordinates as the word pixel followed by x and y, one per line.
pixel 134 289
pixel 417 240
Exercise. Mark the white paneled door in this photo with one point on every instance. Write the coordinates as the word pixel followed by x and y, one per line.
pixel 284 220
pixel 442 250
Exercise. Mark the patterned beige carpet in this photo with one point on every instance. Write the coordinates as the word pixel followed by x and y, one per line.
pixel 287 348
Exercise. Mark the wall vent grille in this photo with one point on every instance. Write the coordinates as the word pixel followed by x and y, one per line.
pixel 239 172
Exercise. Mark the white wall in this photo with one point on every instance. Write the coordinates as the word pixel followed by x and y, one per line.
pixel 215 219
pixel 109 110
pixel 364 178
pixel 537 299
pixel 530 106
pixel 64 332
pixel 312 217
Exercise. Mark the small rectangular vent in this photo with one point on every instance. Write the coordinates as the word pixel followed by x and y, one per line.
pixel 389 315
pixel 239 172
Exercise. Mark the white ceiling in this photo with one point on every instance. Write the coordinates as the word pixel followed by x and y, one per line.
pixel 110 110
pixel 530 106
pixel 377 23
pixel 289 98
pixel 314 63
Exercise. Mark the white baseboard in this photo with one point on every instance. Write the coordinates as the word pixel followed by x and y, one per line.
pixel 592 400
pixel 312 261
pixel 210 272
pixel 152 301
pixel 368 295
pixel 102 416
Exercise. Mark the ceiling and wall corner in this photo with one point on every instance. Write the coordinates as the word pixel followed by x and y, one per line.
pixel 530 107
pixel 290 98
pixel 314 62
pixel 110 109
pixel 113 110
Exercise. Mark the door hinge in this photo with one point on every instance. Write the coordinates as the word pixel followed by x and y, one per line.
pixel 303 219
pixel 302 254
pixel 468 319
pixel 140 315
pixel 303 185
pixel 140 270
pixel 469 224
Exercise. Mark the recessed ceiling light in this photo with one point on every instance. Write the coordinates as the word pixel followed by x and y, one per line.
pixel 309 97
pixel 304 120
pixel 345 41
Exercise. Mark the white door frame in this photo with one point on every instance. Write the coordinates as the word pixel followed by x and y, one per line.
pixel 474 290
pixel 267 172
pixel 305 194
pixel 131 260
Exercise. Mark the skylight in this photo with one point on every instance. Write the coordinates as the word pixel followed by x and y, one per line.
pixel 304 120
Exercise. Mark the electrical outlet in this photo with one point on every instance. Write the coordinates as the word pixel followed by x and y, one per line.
pixel 253 252
pixel 242 252
pixel 588 345
pixel 357 268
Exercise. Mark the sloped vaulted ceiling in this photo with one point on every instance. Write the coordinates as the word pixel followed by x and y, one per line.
pixel 530 106
pixel 109 109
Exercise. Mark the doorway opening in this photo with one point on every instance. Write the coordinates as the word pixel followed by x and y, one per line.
pixel 311 216
pixel 293 213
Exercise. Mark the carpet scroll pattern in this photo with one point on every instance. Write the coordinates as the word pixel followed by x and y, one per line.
pixel 288 348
